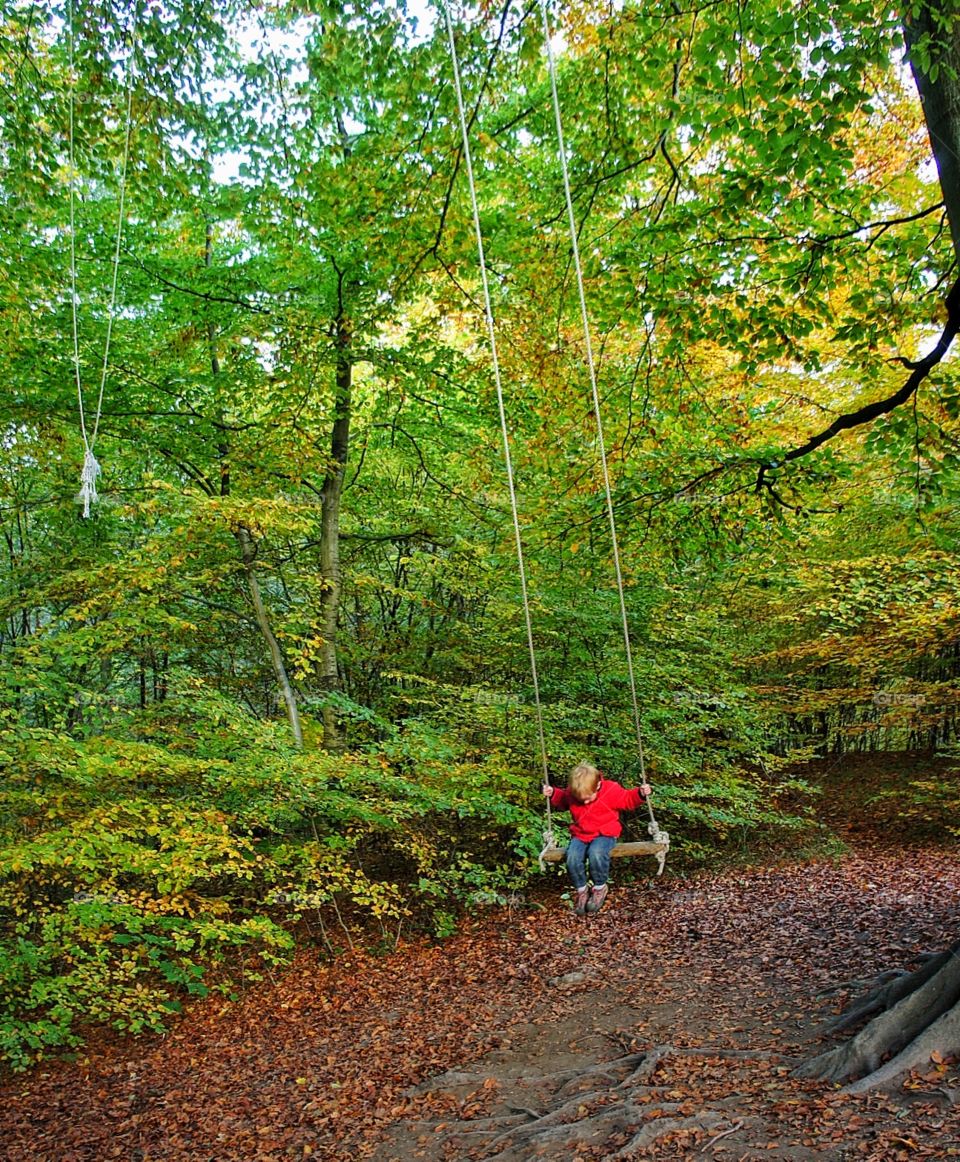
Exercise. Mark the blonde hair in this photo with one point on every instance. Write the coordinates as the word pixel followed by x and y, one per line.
pixel 583 782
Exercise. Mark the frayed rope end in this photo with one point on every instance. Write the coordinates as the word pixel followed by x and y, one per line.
pixel 88 482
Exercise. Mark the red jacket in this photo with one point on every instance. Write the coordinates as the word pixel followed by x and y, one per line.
pixel 602 816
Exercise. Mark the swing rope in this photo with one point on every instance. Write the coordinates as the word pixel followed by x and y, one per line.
pixel 656 834
pixel 91 468
pixel 501 407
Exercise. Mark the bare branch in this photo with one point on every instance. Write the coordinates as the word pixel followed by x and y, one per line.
pixel 870 412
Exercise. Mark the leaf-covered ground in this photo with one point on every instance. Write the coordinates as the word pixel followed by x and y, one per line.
pixel 664 1027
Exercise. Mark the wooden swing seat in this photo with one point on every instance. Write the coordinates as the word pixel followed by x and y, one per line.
pixel 658 844
pixel 640 847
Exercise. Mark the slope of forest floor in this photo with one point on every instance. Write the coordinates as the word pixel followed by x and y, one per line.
pixel 665 1026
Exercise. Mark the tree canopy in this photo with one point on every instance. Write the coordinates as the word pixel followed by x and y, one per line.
pixel 282 665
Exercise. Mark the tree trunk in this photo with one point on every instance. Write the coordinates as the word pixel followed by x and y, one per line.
pixel 248 552
pixel 330 528
pixel 911 1026
pixel 248 548
pixel 920 1013
pixel 933 50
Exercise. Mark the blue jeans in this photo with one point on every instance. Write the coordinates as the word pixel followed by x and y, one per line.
pixel 596 854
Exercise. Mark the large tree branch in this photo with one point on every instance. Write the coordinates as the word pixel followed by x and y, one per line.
pixel 868 413
pixel 207 296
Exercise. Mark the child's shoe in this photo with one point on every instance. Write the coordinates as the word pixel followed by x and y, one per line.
pixel 580 904
pixel 595 903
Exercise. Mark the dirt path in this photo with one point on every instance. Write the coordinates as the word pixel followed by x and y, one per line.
pixel 663 1027
pixel 680 1015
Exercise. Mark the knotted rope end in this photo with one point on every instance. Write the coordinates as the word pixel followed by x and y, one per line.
pixel 88 482
pixel 549 844
pixel 659 836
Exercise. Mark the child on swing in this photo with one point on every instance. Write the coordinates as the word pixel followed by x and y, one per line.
pixel 595 804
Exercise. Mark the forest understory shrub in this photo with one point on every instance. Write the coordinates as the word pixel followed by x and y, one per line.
pixel 138 872
pixel 190 851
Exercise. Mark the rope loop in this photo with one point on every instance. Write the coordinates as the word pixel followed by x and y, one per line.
pixel 91 469
pixel 591 367
pixel 491 329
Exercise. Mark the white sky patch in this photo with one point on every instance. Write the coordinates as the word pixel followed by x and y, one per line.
pixel 422 18
pixel 558 42
pixel 927 172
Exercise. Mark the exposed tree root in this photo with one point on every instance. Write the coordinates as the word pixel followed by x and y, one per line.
pixel 919 1015
pixel 943 1035
pixel 653 1059
pixel 872 983
pixel 564 1138
pixel 738 1125
pixel 881 978
pixel 591 1115
pixel 654 1131
pixel 888 990
pixel 565 1114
